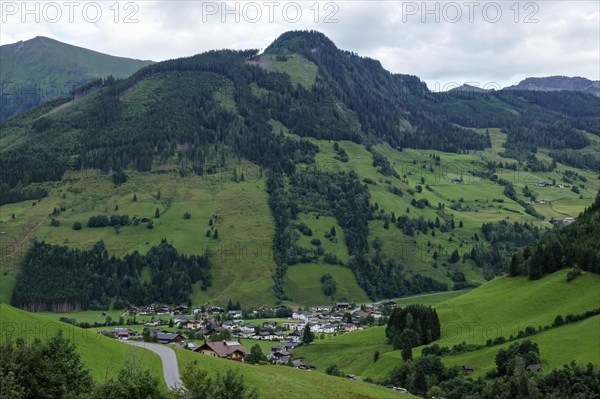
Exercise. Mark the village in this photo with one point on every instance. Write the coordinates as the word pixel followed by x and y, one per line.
pixel 216 331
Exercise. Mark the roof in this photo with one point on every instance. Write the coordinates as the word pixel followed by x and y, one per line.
pixel 225 348
pixel 167 336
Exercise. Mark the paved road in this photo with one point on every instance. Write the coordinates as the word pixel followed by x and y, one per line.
pixel 169 361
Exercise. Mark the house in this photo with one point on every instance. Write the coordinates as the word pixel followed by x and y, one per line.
pixel 214 310
pixel 569 220
pixel 389 304
pixel 163 310
pixel 181 319
pixel 322 308
pixel 269 324
pixel 121 333
pixel 180 310
pixel 224 349
pixel 192 324
pixel 457 181
pixel 294 326
pixel 304 316
pixel 535 367
pixel 169 338
pixel 342 305
pixel 234 314
pixel 248 328
pixel 468 369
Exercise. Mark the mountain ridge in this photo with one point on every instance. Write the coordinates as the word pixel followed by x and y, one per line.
pixel 42 69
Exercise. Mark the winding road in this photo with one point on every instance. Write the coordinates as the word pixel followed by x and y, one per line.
pixel 169 361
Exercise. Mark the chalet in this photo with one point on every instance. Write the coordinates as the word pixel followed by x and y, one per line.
pixel 295 337
pixel 214 310
pixel 544 184
pixel 234 314
pixel 457 181
pixel 294 326
pixel 342 305
pixel 535 367
pixel 146 310
pixel 304 316
pixel 248 328
pixel 121 333
pixel 264 335
pixel 569 220
pixel 224 349
pixel 180 310
pixel 169 338
pixel 181 320
pixel 192 324
pixel 163 310
pixel 269 324
pixel 468 369
pixel 389 304
pixel 323 308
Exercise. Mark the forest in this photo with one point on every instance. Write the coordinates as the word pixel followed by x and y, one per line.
pixel 576 245
pixel 58 278
pixel 353 96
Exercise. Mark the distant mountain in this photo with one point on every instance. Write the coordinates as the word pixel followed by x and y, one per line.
pixel 42 69
pixel 557 83
pixel 469 88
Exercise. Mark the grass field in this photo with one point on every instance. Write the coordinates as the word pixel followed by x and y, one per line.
pixel 275 382
pixel 242 256
pixel 105 357
pixel 501 307
pixel 303 284
pixel 506 305
pixel 557 347
pixel 300 70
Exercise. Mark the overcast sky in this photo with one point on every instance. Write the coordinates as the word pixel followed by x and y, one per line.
pixel 444 43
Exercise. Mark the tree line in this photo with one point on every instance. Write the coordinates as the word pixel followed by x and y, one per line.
pixel 59 278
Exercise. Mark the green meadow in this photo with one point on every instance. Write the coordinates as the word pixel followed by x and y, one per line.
pixel 275 382
pixel 501 307
pixel 103 356
pixel 242 255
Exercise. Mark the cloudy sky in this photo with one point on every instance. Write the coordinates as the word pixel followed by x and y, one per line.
pixel 484 43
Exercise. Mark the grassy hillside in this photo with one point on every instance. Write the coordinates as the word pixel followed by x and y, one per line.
pixel 242 255
pixel 45 69
pixel 506 305
pixel 557 347
pixel 105 357
pixel 274 382
pixel 188 126
pixel 501 307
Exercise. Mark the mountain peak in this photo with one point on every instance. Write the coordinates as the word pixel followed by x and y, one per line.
pixel 557 83
pixel 299 41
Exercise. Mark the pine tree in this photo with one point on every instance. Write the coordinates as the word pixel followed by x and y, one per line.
pixel 307 336
pixel 157 213
pixel 216 234
pixel 134 197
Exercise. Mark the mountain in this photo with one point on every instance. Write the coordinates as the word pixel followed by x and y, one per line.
pixel 308 174
pixel 42 69
pixel 469 88
pixel 558 83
